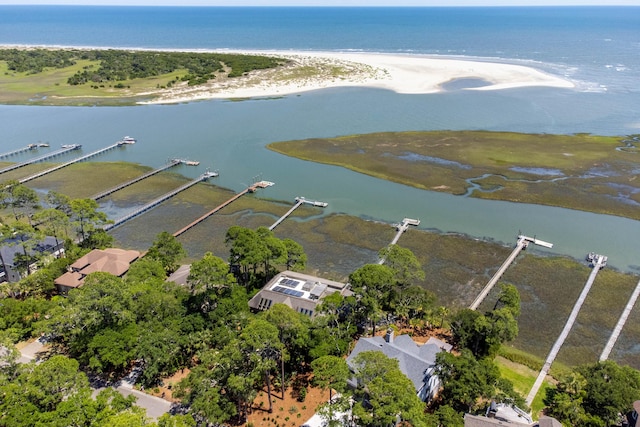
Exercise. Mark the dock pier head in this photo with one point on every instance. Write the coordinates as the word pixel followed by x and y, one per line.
pixel 522 244
pixel 299 202
pixel 70 162
pixel 22 150
pixel 401 228
pixel 51 155
pixel 598 262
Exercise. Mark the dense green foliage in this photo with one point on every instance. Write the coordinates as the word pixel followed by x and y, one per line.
pixel 123 65
pixel 112 324
pixel 594 395
pixel 56 393
pixel 34 61
pixel 484 333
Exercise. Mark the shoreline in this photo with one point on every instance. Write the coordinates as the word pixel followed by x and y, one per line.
pixel 400 73
pixel 404 73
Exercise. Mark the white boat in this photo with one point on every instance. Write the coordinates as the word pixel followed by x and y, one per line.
pixel 74 146
pixel 127 140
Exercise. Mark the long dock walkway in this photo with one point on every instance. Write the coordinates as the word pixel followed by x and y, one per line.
pixel 250 189
pixel 159 200
pixel 401 228
pixel 299 202
pixel 520 246
pixel 522 243
pixel 39 159
pixel 172 163
pixel 621 321
pixel 598 261
pixel 70 162
pixel 22 150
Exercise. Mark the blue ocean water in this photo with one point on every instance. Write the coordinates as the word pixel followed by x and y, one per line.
pixel 597 46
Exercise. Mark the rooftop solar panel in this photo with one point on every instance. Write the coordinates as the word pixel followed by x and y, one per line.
pixel 288 291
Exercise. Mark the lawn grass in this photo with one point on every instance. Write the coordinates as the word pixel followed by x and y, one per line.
pixel 522 379
pixel 584 172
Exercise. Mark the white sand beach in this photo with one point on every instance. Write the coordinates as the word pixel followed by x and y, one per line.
pixel 411 74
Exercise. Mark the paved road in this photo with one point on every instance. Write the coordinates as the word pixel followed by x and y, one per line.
pixel 154 406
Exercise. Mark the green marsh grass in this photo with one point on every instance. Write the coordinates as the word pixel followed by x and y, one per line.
pixel 582 171
pixel 456 267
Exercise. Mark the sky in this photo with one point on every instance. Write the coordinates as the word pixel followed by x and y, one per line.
pixel 328 2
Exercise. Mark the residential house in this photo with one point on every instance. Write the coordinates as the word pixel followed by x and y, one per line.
pixel 299 291
pixel 114 261
pixel 501 414
pixel 12 249
pixel 416 361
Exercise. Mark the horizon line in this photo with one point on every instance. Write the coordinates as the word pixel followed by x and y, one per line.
pixel 355 6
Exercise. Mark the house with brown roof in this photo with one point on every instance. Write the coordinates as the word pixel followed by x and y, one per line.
pixel 299 291
pixel 113 261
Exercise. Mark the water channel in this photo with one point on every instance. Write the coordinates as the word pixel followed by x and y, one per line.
pixel 231 137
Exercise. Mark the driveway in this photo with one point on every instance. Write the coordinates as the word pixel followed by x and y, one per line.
pixel 154 406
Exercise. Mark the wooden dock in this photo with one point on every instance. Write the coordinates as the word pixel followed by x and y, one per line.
pixel 621 321
pixel 251 189
pixel 401 228
pixel 70 162
pixel 299 202
pixel 172 163
pixel 522 243
pixel 598 262
pixel 22 150
pixel 157 201
pixel 41 158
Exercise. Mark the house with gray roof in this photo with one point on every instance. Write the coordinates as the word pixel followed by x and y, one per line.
pixel 503 414
pixel 416 361
pixel 12 249
pixel 301 292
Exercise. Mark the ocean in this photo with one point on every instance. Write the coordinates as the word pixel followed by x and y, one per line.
pixel 598 48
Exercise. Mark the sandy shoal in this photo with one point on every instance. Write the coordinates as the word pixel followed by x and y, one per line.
pixel 411 74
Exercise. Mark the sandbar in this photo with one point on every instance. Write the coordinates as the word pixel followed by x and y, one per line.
pixel 401 73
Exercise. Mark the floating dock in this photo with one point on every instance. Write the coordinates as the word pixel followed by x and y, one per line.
pixel 70 162
pixel 159 200
pixel 299 202
pixel 621 321
pixel 522 243
pixel 598 262
pixel 42 158
pixel 173 162
pixel 22 150
pixel 251 189
pixel 401 228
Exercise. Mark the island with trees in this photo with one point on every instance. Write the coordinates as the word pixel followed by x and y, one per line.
pixel 113 76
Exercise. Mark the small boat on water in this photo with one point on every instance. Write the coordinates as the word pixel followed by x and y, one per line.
pixel 127 140
pixel 73 146
pixel 191 163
